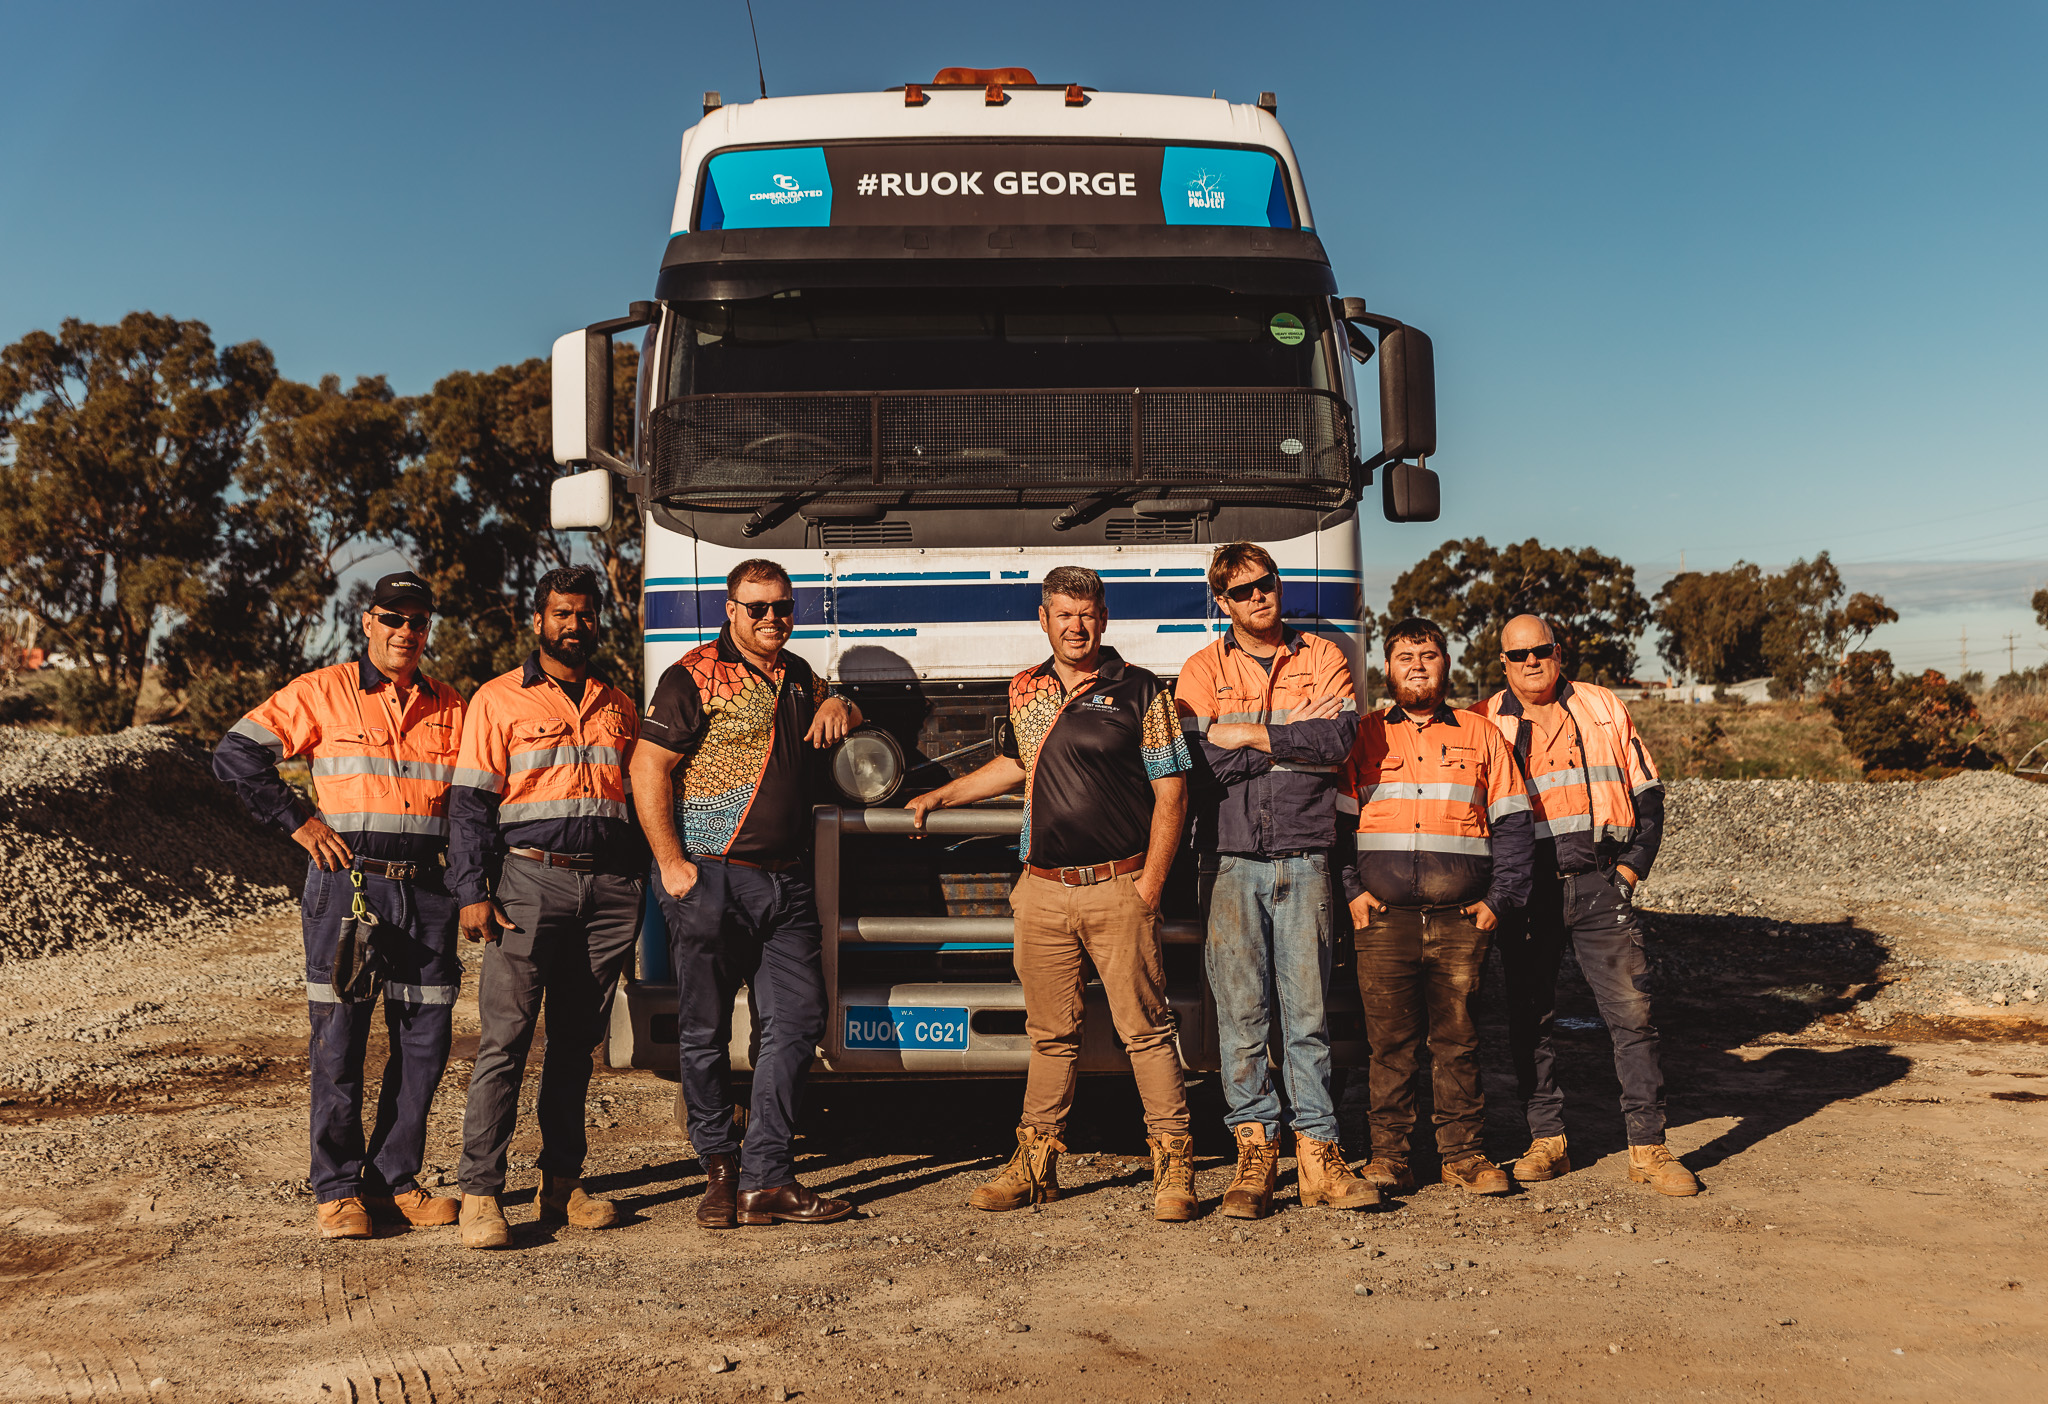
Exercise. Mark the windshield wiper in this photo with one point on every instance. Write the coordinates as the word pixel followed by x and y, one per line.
pixel 1089 508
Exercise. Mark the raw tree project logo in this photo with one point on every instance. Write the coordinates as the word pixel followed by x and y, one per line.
pixel 1205 191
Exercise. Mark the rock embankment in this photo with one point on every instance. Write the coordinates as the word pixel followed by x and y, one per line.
pixel 126 837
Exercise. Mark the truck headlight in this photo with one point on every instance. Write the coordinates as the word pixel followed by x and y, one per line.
pixel 868 766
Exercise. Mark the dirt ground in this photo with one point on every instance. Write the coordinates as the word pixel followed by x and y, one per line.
pixel 156 1238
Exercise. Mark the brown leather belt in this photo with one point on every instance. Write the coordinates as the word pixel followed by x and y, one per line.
pixel 778 865
pixel 574 862
pixel 1087 877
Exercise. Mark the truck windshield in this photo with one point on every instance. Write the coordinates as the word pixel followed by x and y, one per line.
pixel 881 339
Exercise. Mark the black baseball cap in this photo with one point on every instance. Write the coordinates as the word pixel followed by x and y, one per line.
pixel 402 588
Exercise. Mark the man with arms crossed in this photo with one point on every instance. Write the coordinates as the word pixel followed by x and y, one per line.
pixel 550 872
pixel 383 738
pixel 1274 716
pixel 1444 844
pixel 1599 819
pixel 730 840
pixel 1096 746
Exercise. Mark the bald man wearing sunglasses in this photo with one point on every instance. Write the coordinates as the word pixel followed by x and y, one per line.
pixel 1599 810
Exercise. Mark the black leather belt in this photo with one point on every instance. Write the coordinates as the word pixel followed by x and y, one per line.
pixel 574 862
pixel 397 872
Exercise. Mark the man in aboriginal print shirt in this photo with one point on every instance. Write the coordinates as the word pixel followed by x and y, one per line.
pixel 721 781
pixel 1099 752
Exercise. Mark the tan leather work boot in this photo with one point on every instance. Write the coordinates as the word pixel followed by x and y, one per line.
pixel 1386 1172
pixel 1250 1195
pixel 1325 1179
pixel 1658 1168
pixel 563 1201
pixel 1031 1177
pixel 342 1218
pixel 1544 1160
pixel 1477 1174
pixel 415 1207
pixel 483 1222
pixel 1173 1178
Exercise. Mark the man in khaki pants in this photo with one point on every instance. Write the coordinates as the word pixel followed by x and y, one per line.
pixel 1099 752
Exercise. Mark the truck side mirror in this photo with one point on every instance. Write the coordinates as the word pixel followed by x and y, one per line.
pixel 1407 395
pixel 1409 492
pixel 582 394
pixel 581 501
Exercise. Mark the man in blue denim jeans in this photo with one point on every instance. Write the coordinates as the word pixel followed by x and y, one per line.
pixel 1275 714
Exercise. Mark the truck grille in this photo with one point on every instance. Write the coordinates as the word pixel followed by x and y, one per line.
pixel 708 447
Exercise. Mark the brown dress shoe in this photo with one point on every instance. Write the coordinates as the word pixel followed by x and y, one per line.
pixel 1658 1168
pixel 415 1207
pixel 1385 1172
pixel 1250 1195
pixel 719 1207
pixel 1477 1174
pixel 792 1204
pixel 342 1218
pixel 563 1201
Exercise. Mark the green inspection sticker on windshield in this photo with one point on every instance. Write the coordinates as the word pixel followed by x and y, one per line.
pixel 1287 329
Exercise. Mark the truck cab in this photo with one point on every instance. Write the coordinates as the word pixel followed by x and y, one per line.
pixel 920 346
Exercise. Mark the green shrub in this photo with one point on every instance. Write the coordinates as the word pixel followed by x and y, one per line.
pixel 1905 725
pixel 216 701
pixel 88 704
pixel 33 698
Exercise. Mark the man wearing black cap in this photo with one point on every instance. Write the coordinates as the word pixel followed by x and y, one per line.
pixel 377 911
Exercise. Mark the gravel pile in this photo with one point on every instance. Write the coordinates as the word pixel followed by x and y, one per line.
pixel 126 837
pixel 1948 879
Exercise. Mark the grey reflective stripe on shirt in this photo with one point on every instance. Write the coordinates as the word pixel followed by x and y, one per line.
pixel 1647 785
pixel 347 822
pixel 1513 804
pixel 420 994
pixel 1424 843
pixel 1346 805
pixel 1583 823
pixel 382 765
pixel 479 780
pixel 261 735
pixel 562 755
pixel 1472 794
pixel 525 811
pixel 1302 768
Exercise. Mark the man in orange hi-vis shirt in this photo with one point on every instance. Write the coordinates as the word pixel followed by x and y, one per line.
pixel 1599 810
pixel 383 738
pixel 1444 848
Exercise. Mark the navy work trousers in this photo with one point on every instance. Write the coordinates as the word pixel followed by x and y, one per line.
pixel 422 973
pixel 1594 912
pixel 742 926
pixel 572 934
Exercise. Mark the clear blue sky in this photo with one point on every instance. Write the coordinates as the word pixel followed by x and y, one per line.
pixel 1729 280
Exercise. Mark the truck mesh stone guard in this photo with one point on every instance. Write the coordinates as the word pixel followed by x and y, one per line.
pixel 1270 442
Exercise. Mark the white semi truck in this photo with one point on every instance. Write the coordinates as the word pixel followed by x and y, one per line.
pixel 921 346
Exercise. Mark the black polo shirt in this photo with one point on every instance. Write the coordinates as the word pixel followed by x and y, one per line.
pixel 1089 758
pixel 747 781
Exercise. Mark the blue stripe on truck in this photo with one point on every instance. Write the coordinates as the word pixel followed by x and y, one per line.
pixel 1009 602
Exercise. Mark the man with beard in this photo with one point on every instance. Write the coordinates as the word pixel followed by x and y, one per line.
pixel 550 872
pixel 1444 849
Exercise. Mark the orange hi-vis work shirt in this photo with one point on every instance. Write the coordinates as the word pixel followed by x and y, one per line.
pixel 1284 800
pixel 1443 819
pixel 540 769
pixel 1594 791
pixel 381 772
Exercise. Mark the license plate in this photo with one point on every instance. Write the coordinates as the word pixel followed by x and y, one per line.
pixel 905 1026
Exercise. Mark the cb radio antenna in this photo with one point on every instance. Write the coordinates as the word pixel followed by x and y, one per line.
pixel 757 49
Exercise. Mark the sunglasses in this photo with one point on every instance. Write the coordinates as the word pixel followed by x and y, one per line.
pixel 755 609
pixel 1267 584
pixel 416 622
pixel 1522 655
